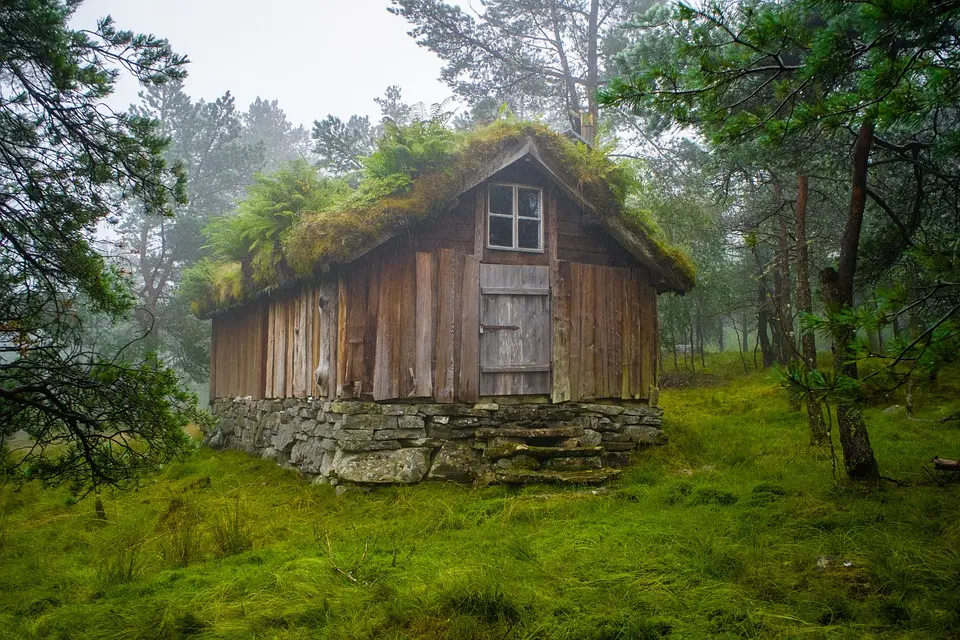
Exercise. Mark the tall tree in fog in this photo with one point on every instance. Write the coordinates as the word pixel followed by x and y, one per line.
pixel 207 140
pixel 539 56
pixel 341 145
pixel 266 125
pixel 71 410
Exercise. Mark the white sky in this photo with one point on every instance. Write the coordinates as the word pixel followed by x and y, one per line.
pixel 314 56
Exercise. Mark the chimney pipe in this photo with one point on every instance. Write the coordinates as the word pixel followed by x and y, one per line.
pixel 588 128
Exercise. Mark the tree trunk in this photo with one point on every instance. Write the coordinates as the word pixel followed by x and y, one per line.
pixel 764 317
pixel 837 289
pixel 593 71
pixel 785 341
pixel 808 344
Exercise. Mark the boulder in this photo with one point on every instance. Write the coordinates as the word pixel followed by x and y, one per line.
pixel 368 422
pixel 382 467
pixel 307 455
pixel 455 461
pixel 646 435
pixel 590 438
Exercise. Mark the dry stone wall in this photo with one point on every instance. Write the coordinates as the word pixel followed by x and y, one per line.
pixel 373 443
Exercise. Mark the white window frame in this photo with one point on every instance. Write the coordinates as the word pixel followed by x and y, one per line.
pixel 516 217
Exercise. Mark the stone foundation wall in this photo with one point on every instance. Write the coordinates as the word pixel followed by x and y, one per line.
pixel 366 442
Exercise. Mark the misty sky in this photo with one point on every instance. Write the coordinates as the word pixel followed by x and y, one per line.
pixel 314 56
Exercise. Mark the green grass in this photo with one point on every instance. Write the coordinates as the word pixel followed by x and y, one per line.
pixel 719 534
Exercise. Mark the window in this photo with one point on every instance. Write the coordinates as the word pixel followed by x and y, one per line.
pixel 515 218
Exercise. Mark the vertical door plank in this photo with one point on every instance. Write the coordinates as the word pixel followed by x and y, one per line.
pixel 297 383
pixel 371 325
pixel 280 351
pixel 342 359
pixel 269 364
pixel 408 326
pixel 560 290
pixel 648 324
pixel 423 368
pixel 446 318
pixel 588 344
pixel 214 359
pixel 469 387
pixel 480 220
pixel 328 305
pixel 385 358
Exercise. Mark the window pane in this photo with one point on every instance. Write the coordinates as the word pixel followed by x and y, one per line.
pixel 529 232
pixel 528 203
pixel 501 200
pixel 501 231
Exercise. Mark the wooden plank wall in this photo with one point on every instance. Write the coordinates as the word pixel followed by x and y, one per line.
pixel 604 333
pixel 274 349
pixel 237 354
pixel 292 343
pixel 408 327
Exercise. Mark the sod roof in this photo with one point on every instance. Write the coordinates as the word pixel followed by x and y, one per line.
pixel 320 239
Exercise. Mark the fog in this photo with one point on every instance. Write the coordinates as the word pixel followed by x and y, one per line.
pixel 314 57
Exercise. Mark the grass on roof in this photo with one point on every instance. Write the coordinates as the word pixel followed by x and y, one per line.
pixel 294 224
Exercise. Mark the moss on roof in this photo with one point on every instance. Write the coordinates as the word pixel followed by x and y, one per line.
pixel 386 203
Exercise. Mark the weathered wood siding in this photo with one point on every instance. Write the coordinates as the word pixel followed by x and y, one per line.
pixel 407 325
pixel 604 333
pixel 403 321
pixel 293 344
pixel 237 355
pixel 580 238
pixel 271 349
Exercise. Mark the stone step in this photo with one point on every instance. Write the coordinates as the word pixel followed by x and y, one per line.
pixel 530 432
pixel 543 476
pixel 572 464
pixel 545 453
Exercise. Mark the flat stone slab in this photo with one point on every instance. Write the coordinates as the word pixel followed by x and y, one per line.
pixel 382 467
pixel 531 432
pixel 585 476
pixel 546 453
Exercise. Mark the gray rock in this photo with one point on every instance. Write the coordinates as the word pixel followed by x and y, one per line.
pixel 644 411
pixel 382 467
pixel 455 461
pixel 352 408
pixel 410 422
pixel 399 434
pixel 646 435
pixel 398 409
pixel 439 431
pixel 349 444
pixel 368 421
pixel 216 440
pixel 590 438
pixel 307 455
pixel 605 409
pixel 285 437
pixel 896 410
pixel 439 409
pixel 615 436
pixel 270 454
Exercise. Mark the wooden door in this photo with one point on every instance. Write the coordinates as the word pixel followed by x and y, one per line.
pixel 515 330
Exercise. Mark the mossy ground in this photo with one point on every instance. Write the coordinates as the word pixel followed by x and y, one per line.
pixel 736 529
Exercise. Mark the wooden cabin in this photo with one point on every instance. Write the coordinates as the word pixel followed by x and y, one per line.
pixel 520 292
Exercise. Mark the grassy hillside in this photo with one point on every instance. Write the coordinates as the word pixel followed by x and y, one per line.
pixel 736 530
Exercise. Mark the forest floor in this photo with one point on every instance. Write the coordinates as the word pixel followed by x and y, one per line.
pixel 736 529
